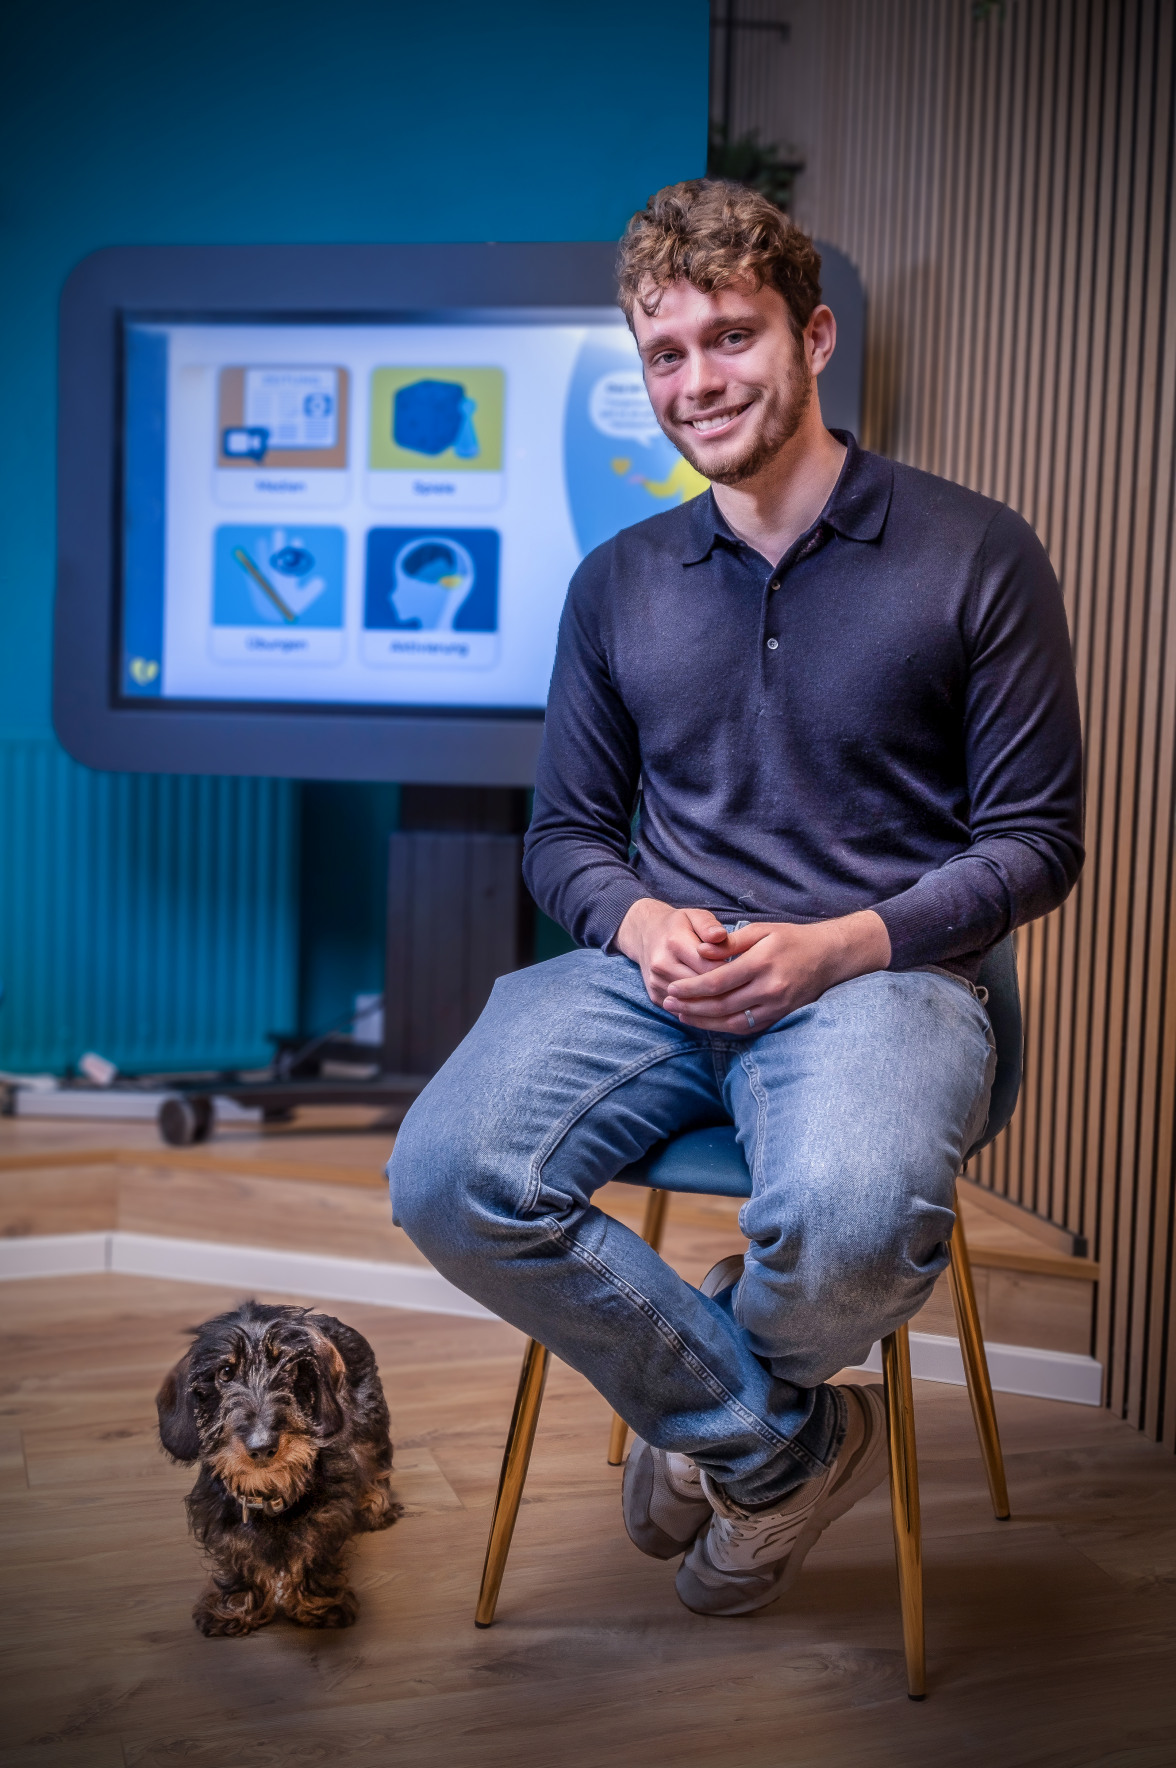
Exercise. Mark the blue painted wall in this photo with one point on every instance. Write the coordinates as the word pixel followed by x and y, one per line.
pixel 134 123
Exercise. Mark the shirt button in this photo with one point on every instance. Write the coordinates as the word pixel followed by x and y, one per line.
pixel 773 644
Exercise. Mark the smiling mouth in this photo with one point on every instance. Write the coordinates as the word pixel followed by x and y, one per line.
pixel 710 421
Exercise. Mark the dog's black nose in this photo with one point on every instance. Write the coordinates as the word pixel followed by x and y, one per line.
pixel 261 1444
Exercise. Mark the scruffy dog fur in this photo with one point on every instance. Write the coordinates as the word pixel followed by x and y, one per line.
pixel 284 1411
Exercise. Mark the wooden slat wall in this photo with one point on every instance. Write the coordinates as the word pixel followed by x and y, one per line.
pixel 1005 184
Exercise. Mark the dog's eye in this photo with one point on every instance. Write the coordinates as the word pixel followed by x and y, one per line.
pixel 224 1373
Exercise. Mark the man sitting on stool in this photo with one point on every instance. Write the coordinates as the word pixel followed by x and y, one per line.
pixel 812 749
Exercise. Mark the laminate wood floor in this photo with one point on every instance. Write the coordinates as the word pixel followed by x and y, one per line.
pixel 1052 1638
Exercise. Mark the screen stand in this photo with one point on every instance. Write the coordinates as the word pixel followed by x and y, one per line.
pixel 459 916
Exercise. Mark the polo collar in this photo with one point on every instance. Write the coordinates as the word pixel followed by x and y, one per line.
pixel 856 509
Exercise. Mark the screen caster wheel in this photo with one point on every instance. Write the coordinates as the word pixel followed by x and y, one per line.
pixel 184 1121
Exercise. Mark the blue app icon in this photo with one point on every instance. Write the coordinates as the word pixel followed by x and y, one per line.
pixel 277 575
pixel 430 416
pixel 432 580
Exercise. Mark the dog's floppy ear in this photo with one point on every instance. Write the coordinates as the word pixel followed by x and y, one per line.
pixel 177 1414
pixel 330 1380
pixel 357 1354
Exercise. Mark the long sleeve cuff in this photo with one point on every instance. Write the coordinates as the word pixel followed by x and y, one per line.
pixel 918 935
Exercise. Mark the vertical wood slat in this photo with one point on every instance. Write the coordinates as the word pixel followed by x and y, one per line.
pixel 1006 186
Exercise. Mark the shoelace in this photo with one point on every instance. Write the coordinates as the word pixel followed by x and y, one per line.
pixel 734 1532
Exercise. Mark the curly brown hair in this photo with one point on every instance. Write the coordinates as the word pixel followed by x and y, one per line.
pixel 712 232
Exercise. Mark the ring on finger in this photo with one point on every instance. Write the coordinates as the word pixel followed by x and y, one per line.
pixel 750 1017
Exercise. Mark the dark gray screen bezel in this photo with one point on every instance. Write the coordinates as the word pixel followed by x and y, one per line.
pixel 328 284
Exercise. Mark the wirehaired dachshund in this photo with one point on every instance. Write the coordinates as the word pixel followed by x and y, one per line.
pixel 284 1411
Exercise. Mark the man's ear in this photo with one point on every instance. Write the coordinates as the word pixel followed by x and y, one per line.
pixel 177 1414
pixel 820 337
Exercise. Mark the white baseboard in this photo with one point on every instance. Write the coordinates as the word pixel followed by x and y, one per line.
pixel 326 1278
pixel 1014 1368
pixel 54 1255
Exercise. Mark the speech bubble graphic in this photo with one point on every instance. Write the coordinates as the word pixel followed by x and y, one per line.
pixel 618 405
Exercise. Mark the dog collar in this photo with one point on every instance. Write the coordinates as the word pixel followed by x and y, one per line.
pixel 269 1506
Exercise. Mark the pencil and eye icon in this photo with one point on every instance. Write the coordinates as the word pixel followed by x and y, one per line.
pixel 263 583
pixel 287 583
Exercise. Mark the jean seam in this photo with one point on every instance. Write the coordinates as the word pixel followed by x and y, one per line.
pixel 750 1068
pixel 990 1039
pixel 682 1350
pixel 755 1164
pixel 584 1104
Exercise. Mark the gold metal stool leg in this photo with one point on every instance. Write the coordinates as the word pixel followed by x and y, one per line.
pixel 904 1503
pixel 515 1461
pixel 618 1436
pixel 967 1315
pixel 656 1205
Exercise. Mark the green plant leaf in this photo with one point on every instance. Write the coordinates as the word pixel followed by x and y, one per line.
pixel 748 160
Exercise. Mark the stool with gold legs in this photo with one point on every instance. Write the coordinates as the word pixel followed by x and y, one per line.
pixel 710 1162
pixel 963 1295
pixel 900 1419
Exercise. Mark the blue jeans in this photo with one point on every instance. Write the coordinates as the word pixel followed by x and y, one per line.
pixel 854 1115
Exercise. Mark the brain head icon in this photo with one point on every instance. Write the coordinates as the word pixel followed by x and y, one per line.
pixel 432 576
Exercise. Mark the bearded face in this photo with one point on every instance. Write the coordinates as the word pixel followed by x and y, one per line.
pixel 729 379
pixel 775 414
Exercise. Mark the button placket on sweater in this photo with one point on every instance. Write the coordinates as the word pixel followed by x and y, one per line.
pixel 771 639
pixel 803 549
pixel 769 642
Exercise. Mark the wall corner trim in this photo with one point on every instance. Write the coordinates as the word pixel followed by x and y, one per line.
pixel 1015 1369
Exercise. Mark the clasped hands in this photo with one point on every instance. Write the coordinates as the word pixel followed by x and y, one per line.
pixel 712 978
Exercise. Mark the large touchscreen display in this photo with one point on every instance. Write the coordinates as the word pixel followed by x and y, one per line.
pixel 351 514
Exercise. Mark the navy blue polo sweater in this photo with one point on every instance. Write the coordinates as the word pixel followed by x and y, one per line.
pixel 888 719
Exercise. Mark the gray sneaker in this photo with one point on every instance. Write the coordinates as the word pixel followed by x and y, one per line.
pixel 746 1559
pixel 663 1501
pixel 722 1276
pixel 662 1498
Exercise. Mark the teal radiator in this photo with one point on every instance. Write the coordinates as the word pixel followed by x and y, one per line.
pixel 149 917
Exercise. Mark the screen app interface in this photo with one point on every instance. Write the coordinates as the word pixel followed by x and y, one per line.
pixel 373 514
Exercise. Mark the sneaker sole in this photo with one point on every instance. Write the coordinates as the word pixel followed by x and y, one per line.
pixel 722 1276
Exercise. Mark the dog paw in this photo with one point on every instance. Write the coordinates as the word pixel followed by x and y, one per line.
pixel 221 1615
pixel 378 1509
pixel 216 1624
pixel 338 1610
